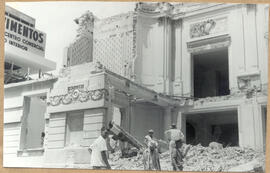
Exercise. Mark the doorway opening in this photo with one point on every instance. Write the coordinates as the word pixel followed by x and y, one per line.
pixel 204 128
pixel 33 123
pixel 211 74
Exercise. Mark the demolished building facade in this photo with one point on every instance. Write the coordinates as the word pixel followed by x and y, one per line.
pixel 200 66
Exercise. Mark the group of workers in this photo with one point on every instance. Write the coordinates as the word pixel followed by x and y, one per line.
pixel 151 159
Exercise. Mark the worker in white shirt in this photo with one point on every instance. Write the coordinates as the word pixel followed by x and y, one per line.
pixel 98 149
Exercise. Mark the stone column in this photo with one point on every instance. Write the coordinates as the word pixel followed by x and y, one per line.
pixel 250 42
pixel 181 123
pixel 109 114
pixel 167 118
pixel 250 125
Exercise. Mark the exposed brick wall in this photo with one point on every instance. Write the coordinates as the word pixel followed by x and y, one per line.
pixel 114 43
pixel 80 51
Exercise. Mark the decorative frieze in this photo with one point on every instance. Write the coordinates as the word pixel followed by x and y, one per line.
pixel 77 96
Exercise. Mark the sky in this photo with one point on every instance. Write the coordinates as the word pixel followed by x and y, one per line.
pixel 56 19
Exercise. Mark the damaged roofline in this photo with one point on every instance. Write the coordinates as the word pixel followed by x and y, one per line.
pixel 142 92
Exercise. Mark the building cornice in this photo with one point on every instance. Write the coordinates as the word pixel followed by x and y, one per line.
pixel 30 82
pixel 177 11
pixel 154 10
pixel 198 11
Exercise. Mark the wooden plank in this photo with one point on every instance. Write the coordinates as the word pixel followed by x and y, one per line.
pixel 115 129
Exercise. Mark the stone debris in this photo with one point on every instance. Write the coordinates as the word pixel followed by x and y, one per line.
pixel 199 158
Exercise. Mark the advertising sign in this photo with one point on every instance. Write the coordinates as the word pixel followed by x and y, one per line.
pixel 20 35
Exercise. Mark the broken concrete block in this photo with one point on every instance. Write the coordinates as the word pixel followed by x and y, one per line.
pixel 215 145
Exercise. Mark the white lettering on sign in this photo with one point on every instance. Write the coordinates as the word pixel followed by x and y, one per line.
pixel 24 37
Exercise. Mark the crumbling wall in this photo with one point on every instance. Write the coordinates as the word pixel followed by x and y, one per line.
pixel 81 50
pixel 114 45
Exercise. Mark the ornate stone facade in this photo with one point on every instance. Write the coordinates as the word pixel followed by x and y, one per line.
pixel 76 96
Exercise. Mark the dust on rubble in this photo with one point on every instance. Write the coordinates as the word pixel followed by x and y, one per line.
pixel 198 158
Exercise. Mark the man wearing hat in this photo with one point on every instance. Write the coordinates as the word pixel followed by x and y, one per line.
pixel 176 135
pixel 176 140
pixel 151 156
pixel 149 136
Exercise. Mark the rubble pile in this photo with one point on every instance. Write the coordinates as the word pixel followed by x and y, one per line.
pixel 201 158
pixel 131 163
pixel 198 158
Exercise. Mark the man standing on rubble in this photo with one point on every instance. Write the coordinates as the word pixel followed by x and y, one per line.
pixel 176 135
pixel 148 137
pixel 99 150
pixel 176 140
pixel 151 155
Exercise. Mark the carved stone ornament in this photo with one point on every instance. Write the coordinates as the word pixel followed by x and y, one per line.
pixel 202 28
pixel 250 84
pixel 77 96
pixel 86 23
pixel 160 7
